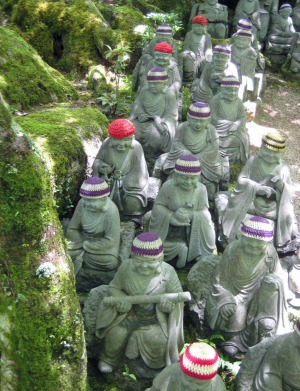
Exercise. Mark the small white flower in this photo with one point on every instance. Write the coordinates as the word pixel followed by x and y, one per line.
pixel 46 270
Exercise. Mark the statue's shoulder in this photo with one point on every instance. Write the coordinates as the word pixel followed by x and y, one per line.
pixel 137 147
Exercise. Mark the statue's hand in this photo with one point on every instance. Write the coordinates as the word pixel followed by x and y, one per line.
pixel 123 306
pixel 166 306
pixel 105 168
pixel 265 190
pixel 227 310
pixel 278 182
pixel 183 216
pixel 143 117
pixel 233 127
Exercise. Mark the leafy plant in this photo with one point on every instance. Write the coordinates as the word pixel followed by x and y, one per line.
pixel 171 18
pixel 128 374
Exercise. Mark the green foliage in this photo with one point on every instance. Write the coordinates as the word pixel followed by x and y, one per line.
pixel 186 101
pixel 171 18
pixel 128 374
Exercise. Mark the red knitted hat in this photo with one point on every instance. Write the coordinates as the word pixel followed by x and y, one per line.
pixel 200 19
pixel 200 361
pixel 163 47
pixel 121 128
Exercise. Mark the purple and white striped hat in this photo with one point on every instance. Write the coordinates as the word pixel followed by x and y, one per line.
pixel 258 228
pixel 244 34
pixel 199 110
pixel 285 7
pixel 222 48
pixel 94 187
pixel 164 29
pixel 244 24
pixel 147 244
pixel 230 81
pixel 157 74
pixel 188 164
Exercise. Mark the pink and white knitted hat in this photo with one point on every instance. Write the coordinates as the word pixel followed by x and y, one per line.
pixel 188 164
pixel 94 187
pixel 157 74
pixel 200 361
pixel 258 228
pixel 147 244
pixel 199 110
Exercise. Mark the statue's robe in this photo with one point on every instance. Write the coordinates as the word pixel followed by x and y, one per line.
pixel 197 50
pixel 280 37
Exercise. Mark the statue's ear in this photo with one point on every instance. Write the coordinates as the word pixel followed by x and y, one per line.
pixel 165 89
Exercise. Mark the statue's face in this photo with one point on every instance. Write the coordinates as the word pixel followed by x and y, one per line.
pixel 187 182
pixel 121 144
pixel 212 2
pixel 270 157
pixel 156 87
pixel 198 125
pixel 163 38
pixel 162 59
pixel 229 93
pixel 146 266
pixel 219 61
pixel 198 29
pixel 285 13
pixel 241 42
pixel 252 246
pixel 94 205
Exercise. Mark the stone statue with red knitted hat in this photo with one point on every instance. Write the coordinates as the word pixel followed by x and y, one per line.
pixel 197 370
pixel 197 49
pixel 142 314
pixel 121 162
pixel 180 214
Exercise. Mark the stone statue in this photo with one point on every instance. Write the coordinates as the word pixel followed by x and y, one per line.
pixel 276 367
pixel 162 59
pixel 247 301
pixel 93 233
pixel 197 49
pixel 244 56
pixel 264 188
pixel 296 16
pixel 271 6
pixel 155 115
pixel 294 54
pixel 197 370
pixel 208 85
pixel 180 214
pixel 248 9
pixel 143 313
pixel 121 162
pixel 281 32
pixel 228 116
pixel 198 137
pixel 216 14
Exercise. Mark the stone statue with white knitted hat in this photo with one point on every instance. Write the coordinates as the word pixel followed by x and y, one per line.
pixel 197 370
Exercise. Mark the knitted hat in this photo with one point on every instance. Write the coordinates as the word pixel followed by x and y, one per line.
pixel 258 228
pixel 147 244
pixel 199 110
pixel 157 74
pixel 199 361
pixel 163 47
pixel 200 19
pixel 164 29
pixel 222 48
pixel 188 164
pixel 285 6
pixel 230 81
pixel 94 187
pixel 297 327
pixel 274 141
pixel 244 24
pixel 244 34
pixel 121 128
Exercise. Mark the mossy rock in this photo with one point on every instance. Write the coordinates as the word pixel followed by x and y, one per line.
pixel 26 80
pixel 59 133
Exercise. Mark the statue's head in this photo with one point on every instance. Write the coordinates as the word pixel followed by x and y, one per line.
pixel 211 2
pixel 256 233
pixel 244 24
pixel 162 54
pixel 242 39
pixel 272 148
pixel 147 254
pixel 94 192
pixel 221 56
pixel 164 33
pixel 199 24
pixel 187 172
pixel 121 133
pixel 157 79
pixel 198 116
pixel 230 88
pixel 285 10
pixel 199 362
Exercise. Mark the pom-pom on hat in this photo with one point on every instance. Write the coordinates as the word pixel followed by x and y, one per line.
pixel 157 74
pixel 230 81
pixel 244 34
pixel 199 361
pixel 222 48
pixel 121 128
pixel 188 164
pixel 285 7
pixel 258 228
pixel 244 24
pixel 147 244
pixel 164 29
pixel 274 141
pixel 200 19
pixel 163 47
pixel 199 110
pixel 94 187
